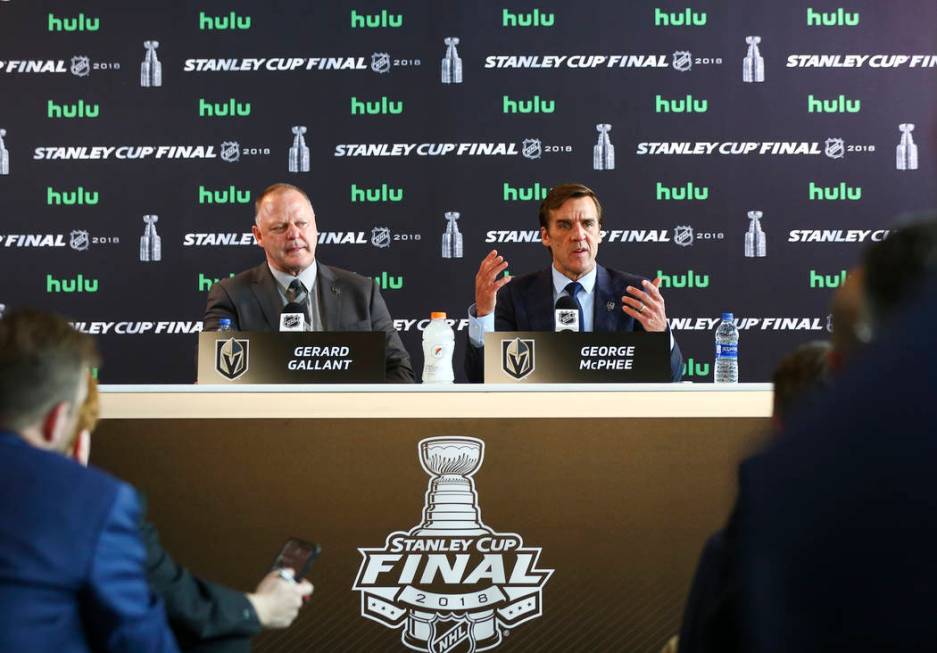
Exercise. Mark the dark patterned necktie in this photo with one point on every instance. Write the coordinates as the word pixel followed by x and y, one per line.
pixel 296 293
pixel 572 289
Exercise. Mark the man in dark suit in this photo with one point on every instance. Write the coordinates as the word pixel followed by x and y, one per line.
pixel 72 574
pixel 205 617
pixel 570 226
pixel 334 299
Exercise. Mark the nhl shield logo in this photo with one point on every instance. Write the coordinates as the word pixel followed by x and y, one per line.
pixel 532 148
pixel 380 237
pixel 517 357
pixel 78 240
pixel 835 148
pixel 682 61
pixel 452 583
pixel 81 66
pixel 232 357
pixel 230 152
pixel 380 62
pixel 683 235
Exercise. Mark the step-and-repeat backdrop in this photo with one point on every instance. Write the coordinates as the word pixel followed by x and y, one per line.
pixel 744 151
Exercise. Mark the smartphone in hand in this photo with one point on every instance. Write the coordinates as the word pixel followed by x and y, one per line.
pixel 298 555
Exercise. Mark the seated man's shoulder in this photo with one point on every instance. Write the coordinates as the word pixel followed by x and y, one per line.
pixel 244 278
pixel 622 279
pixel 347 277
pixel 65 481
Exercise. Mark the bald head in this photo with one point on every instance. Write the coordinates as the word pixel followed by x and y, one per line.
pixel 285 226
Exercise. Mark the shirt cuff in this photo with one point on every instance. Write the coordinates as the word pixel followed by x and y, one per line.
pixel 479 326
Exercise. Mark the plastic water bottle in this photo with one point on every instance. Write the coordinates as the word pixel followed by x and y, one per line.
pixel 224 324
pixel 438 343
pixel 727 351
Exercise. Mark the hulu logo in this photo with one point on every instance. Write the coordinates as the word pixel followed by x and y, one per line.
pixel 376 108
pixel 837 105
pixel 229 109
pixel 693 369
pixel 229 22
pixel 838 18
pixel 205 283
pixel 834 193
pixel 685 18
pixel 387 282
pixel 818 280
pixel 535 105
pixel 375 21
pixel 229 195
pixel 79 110
pixel 78 284
pixel 80 24
pixel 77 197
pixel 521 194
pixel 681 193
pixel 527 19
pixel 383 193
pixel 688 280
pixel 685 105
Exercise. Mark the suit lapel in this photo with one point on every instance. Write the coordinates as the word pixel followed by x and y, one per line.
pixel 330 298
pixel 540 309
pixel 267 295
pixel 603 319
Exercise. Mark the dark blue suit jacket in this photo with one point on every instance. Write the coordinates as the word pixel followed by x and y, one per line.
pixel 526 304
pixel 838 518
pixel 72 575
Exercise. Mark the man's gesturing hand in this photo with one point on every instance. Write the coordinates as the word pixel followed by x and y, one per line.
pixel 646 306
pixel 277 601
pixel 487 282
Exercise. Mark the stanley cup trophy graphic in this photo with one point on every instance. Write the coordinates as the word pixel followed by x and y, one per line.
pixel 906 151
pixel 603 154
pixel 450 510
pixel 452 238
pixel 451 63
pixel 4 155
pixel 151 247
pixel 151 70
pixel 299 153
pixel 755 237
pixel 753 65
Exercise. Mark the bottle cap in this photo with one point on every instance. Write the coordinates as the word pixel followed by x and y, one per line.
pixel 727 316
pixel 436 315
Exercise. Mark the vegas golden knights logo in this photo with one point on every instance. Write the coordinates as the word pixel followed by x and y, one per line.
pixel 451 583
pixel 231 357
pixel 517 357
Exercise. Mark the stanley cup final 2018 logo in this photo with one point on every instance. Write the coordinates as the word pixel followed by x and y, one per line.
pixel 451 583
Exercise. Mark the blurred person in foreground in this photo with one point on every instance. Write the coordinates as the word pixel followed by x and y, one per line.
pixel 711 616
pixel 838 519
pixel 205 617
pixel 72 563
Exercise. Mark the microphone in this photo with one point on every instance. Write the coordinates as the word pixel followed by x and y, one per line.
pixel 566 315
pixel 293 317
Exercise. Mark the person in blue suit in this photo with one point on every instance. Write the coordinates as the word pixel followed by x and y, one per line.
pixel 570 226
pixel 72 574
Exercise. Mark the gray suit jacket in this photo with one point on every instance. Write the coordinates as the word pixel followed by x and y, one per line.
pixel 349 302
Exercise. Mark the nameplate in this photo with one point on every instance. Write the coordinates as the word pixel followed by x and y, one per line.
pixel 308 357
pixel 567 357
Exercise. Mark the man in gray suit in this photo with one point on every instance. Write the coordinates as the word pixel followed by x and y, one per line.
pixel 334 299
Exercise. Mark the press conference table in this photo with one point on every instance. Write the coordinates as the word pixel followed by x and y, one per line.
pixel 663 401
pixel 617 485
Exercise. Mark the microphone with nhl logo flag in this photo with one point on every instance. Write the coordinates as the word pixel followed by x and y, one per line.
pixel 293 317
pixel 566 315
